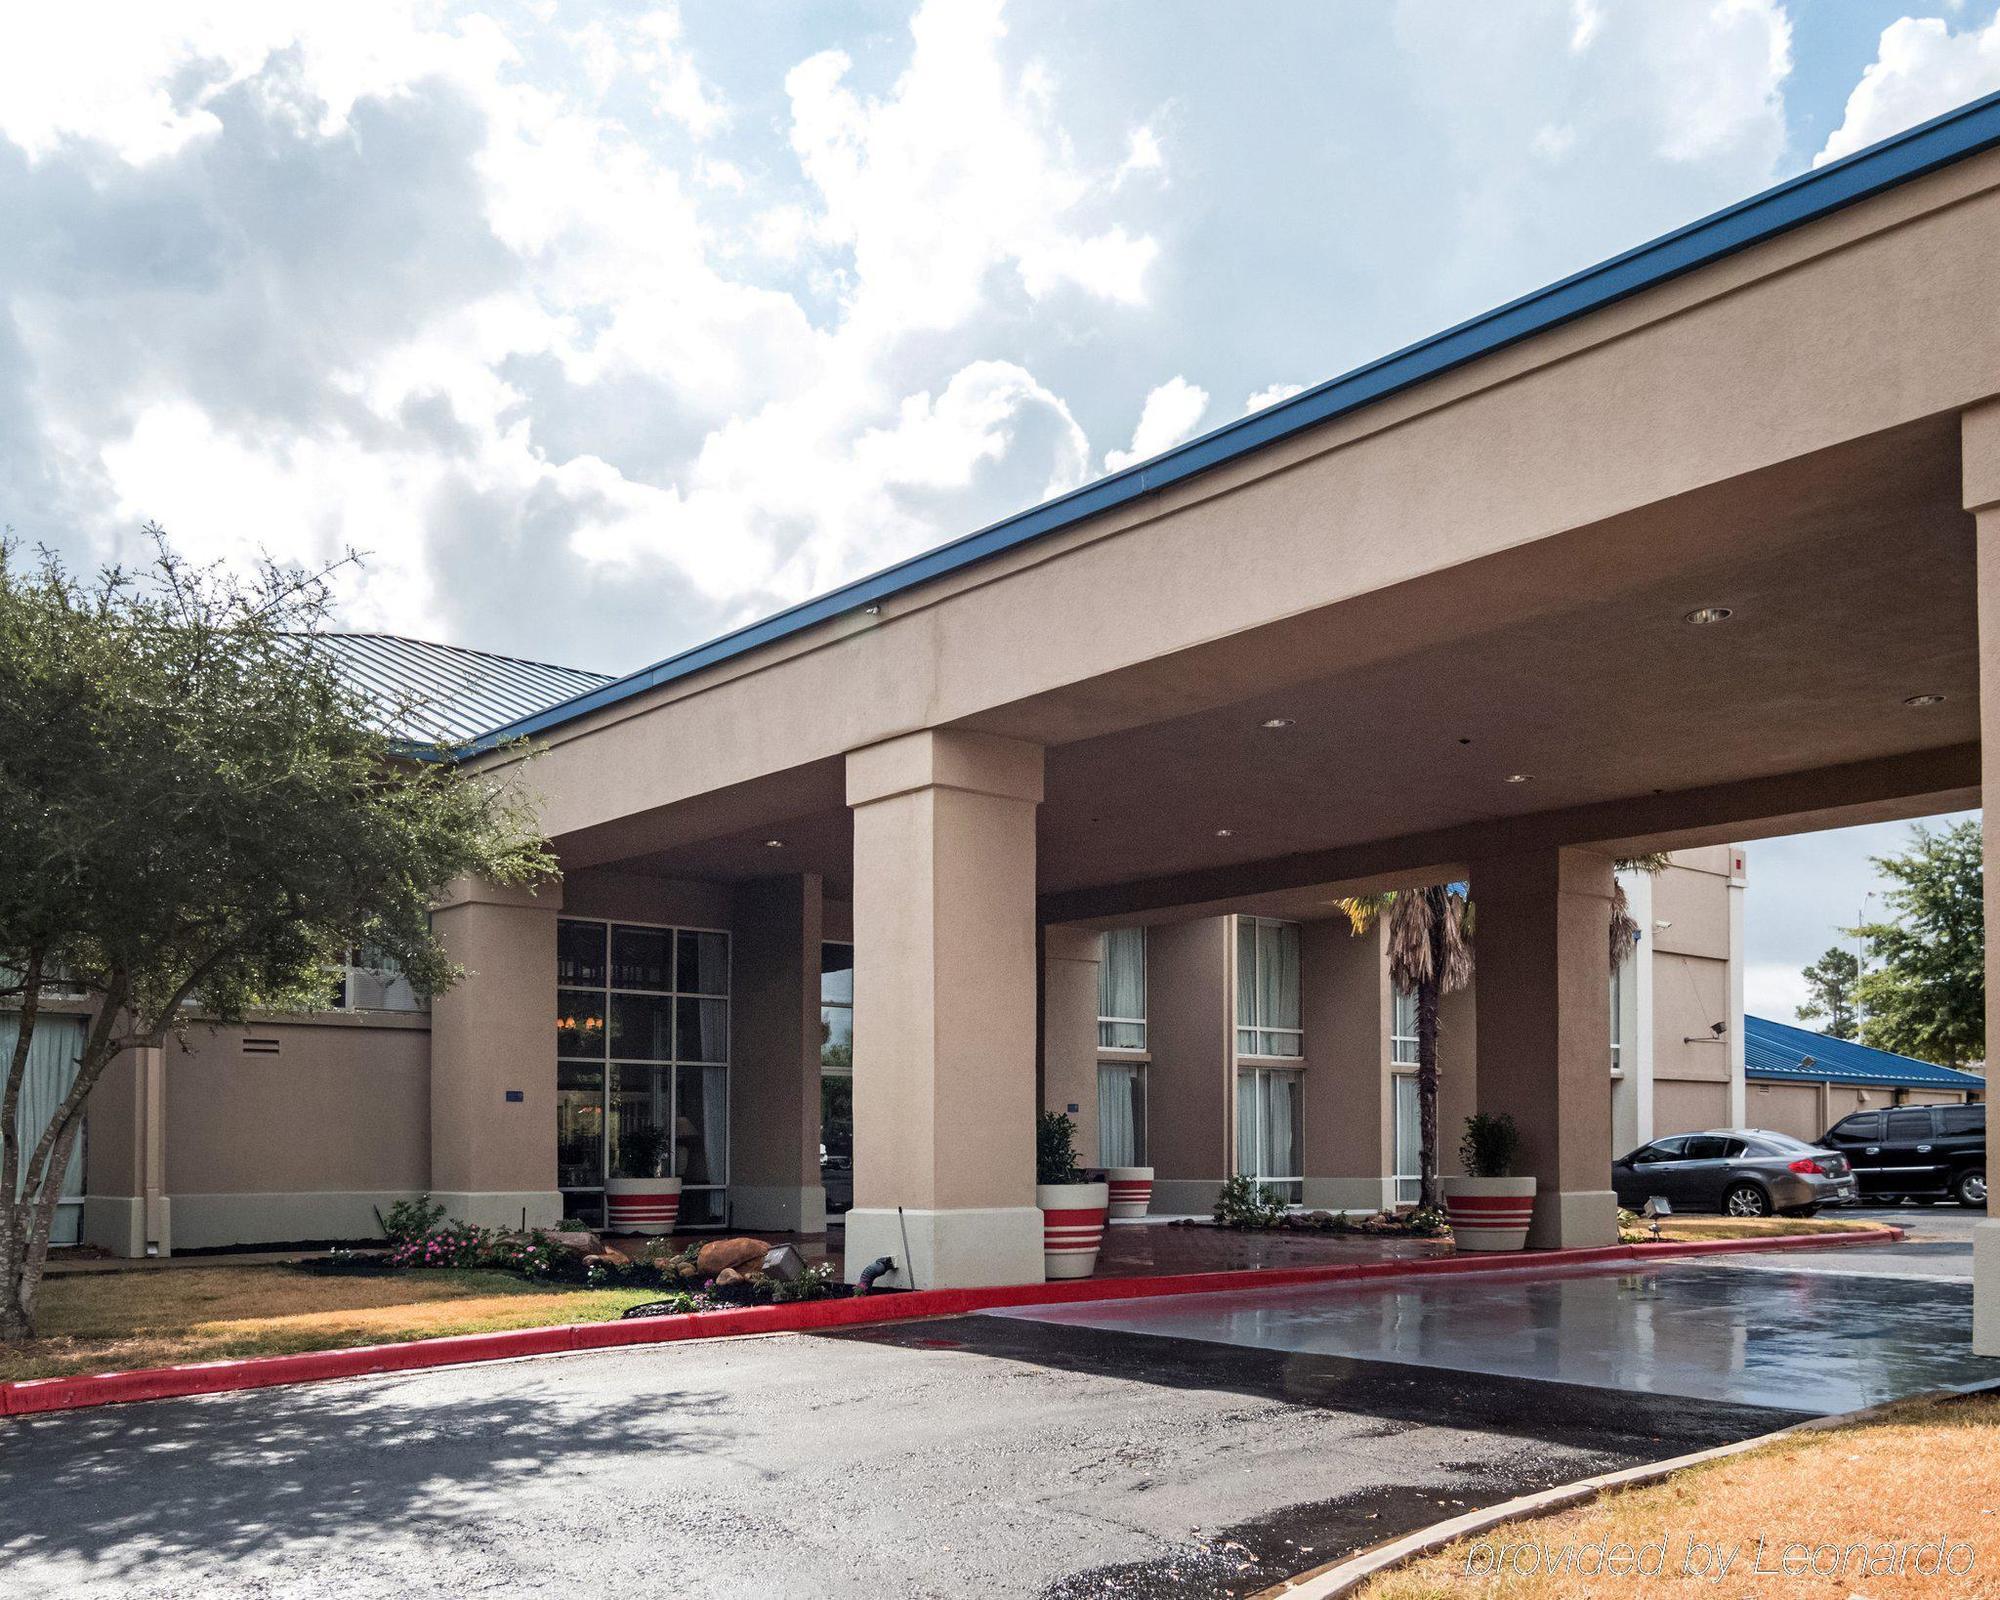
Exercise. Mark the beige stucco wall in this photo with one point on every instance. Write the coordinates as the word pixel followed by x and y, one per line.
pixel 1792 1108
pixel 1190 1092
pixel 1683 1107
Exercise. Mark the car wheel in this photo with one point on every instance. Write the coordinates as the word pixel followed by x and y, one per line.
pixel 1971 1191
pixel 1746 1200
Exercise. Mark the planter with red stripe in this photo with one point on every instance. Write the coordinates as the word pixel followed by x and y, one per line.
pixel 1489 1213
pixel 1072 1227
pixel 641 1205
pixel 1131 1190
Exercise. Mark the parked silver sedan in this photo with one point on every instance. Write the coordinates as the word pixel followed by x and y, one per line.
pixel 1740 1172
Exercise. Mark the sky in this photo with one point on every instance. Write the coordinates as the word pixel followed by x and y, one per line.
pixel 603 328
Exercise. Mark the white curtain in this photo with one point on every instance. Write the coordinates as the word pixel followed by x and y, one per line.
pixel 1409 1141
pixel 52 1057
pixel 1281 1125
pixel 1121 1114
pixel 1121 990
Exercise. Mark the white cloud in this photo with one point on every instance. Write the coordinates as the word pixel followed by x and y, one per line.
pixel 1921 68
pixel 1142 154
pixel 1271 395
pixel 1171 413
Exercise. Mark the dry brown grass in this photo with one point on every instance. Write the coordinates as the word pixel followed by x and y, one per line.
pixel 1683 1230
pixel 1925 1472
pixel 113 1321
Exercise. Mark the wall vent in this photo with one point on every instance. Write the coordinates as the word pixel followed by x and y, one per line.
pixel 255 1046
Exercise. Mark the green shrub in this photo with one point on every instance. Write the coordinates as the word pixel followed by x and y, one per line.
pixel 1490 1145
pixel 411 1219
pixel 1055 1149
pixel 1245 1203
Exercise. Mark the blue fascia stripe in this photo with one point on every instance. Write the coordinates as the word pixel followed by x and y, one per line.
pixel 1943 140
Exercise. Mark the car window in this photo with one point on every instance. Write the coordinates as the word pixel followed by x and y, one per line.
pixel 1909 1125
pixel 1708 1147
pixel 1778 1144
pixel 1962 1119
pixel 1862 1125
pixel 1658 1150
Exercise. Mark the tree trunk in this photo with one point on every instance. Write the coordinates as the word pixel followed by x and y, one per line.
pixel 1429 993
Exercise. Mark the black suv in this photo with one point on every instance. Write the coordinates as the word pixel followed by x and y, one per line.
pixel 1923 1152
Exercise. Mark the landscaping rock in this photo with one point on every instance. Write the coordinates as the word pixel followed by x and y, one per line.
pixel 582 1241
pixel 734 1275
pixel 720 1253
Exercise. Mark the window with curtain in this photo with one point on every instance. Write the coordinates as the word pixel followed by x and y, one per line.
pixel 1121 1114
pixel 52 1058
pixel 642 1058
pixel 1267 988
pixel 1121 992
pixel 1617 1004
pixel 1409 1173
pixel 1269 1130
pixel 1403 1027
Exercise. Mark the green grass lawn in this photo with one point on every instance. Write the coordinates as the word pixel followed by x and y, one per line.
pixel 113 1321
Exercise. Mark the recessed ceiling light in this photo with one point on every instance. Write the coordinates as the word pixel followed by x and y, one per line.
pixel 871 611
pixel 774 844
pixel 1224 833
pixel 1925 700
pixel 1517 777
pixel 1277 722
pixel 1707 614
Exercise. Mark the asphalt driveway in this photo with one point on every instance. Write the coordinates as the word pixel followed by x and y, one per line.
pixel 986 1454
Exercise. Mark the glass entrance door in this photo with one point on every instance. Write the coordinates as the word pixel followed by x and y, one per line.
pixel 836 1078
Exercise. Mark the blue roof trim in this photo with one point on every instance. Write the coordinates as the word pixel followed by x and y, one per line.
pixel 1777 1050
pixel 1924 148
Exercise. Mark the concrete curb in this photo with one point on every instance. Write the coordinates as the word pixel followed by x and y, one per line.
pixel 1341 1578
pixel 35 1396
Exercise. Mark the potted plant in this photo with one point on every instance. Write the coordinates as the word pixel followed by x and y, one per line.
pixel 1489 1207
pixel 1072 1210
pixel 1131 1190
pixel 645 1197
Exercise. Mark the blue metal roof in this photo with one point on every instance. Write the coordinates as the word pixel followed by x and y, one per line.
pixel 1776 1050
pixel 1952 137
pixel 441 695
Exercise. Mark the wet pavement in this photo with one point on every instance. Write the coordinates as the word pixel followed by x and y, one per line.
pixel 1803 1340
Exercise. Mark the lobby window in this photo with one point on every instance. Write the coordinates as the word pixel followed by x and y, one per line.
pixel 1402 1027
pixel 1121 992
pixel 642 1062
pixel 836 1075
pixel 1409 1141
pixel 1617 1004
pixel 1121 1113
pixel 1267 988
pixel 1269 1138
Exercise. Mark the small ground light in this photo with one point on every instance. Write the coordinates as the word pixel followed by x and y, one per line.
pixel 1925 700
pixel 1517 777
pixel 1224 833
pixel 1277 722
pixel 774 844
pixel 1706 614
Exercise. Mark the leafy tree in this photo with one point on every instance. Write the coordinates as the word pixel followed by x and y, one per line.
pixel 1832 980
pixel 1927 996
pixel 197 818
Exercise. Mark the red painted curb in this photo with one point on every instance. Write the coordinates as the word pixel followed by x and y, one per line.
pixel 33 1396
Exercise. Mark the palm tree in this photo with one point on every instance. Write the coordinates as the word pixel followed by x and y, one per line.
pixel 1430 956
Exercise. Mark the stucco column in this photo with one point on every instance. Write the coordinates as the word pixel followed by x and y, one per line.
pixel 493 1080
pixel 1070 961
pixel 944 1009
pixel 1348 1109
pixel 774 1182
pixel 1191 1083
pixel 126 1207
pixel 1981 441
pixel 1544 1033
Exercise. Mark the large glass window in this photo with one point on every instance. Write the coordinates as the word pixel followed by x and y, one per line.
pixel 1617 1006
pixel 1409 1173
pixel 1403 1027
pixel 1121 1114
pixel 1267 988
pixel 1121 992
pixel 642 1058
pixel 1269 1136
pixel 836 1076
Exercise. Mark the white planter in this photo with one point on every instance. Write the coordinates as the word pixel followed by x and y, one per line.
pixel 1489 1213
pixel 1072 1227
pixel 641 1205
pixel 1131 1190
